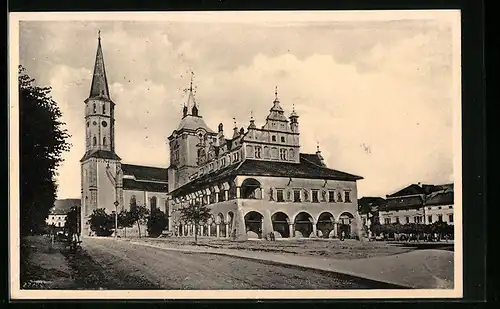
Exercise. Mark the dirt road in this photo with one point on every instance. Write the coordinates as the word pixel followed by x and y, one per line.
pixel 110 264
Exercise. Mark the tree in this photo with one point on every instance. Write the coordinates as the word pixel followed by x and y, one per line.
pixel 157 222
pixel 139 215
pixel 125 220
pixel 101 222
pixel 197 214
pixel 42 142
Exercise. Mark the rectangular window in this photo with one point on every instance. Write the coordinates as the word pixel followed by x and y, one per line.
pixel 450 207
pixel 407 219
pixel 331 196
pixel 282 139
pixel 315 196
pixel 347 197
pixel 450 218
pixel 296 196
pixel 440 218
pixel 429 218
pixel 279 195
pixel 387 220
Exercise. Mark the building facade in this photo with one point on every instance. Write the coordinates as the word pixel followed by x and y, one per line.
pixel 255 180
pixel 417 203
pixel 106 182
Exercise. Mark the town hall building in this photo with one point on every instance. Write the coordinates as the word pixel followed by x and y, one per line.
pixel 254 180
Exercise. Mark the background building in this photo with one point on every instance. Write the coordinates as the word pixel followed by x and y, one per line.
pixel 419 203
pixel 57 214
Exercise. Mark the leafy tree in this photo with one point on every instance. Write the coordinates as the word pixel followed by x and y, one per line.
pixel 197 214
pixel 139 215
pixel 125 220
pixel 101 222
pixel 42 142
pixel 157 222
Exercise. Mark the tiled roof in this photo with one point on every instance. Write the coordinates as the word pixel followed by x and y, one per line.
pixel 131 184
pixel 406 202
pixel 193 123
pixel 102 154
pixel 304 169
pixel 145 172
pixel 313 158
pixel 444 197
pixel 412 189
pixel 63 206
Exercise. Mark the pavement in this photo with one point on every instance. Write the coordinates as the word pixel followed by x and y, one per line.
pixel 419 269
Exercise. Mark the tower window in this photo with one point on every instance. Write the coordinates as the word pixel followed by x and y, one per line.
pixel 94 141
pixel 94 108
pixel 282 139
pixel 104 141
pixel 273 138
pixel 104 108
pixel 88 124
pixel 104 124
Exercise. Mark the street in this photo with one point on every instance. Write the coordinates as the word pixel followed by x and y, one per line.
pixel 111 264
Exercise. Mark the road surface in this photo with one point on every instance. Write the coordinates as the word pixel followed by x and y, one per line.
pixel 111 264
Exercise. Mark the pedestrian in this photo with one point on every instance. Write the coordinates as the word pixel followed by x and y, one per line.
pixel 342 236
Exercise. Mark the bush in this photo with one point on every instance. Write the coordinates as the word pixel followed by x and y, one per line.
pixel 157 222
pixel 101 222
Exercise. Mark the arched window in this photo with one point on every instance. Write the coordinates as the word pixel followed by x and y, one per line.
pixel 133 202
pixel 273 138
pixel 283 154
pixel 94 108
pixel 266 152
pixel 257 152
pixel 291 154
pixel 152 203
pixel 104 141
pixel 94 142
pixel 274 153
pixel 104 108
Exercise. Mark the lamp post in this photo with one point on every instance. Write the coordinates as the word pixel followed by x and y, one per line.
pixel 116 218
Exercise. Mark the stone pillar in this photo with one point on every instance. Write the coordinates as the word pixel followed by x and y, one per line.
pixel 217 228
pixel 210 230
pixel 201 230
pixel 315 231
pixel 238 192
pixel 226 195
pixel 290 228
pixel 216 197
pixel 227 230
pixel 335 229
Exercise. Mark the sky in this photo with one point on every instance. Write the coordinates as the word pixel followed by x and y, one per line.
pixel 376 95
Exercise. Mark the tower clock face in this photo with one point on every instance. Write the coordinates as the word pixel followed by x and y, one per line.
pixel 104 124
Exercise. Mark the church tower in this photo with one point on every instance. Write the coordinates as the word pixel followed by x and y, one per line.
pixel 101 176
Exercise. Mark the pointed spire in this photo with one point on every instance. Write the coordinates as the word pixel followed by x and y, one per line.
pixel 235 129
pixel 294 113
pixel 99 87
pixel 252 121
pixel 191 105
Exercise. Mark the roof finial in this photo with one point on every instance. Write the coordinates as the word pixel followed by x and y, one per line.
pixel 276 92
pixel 251 115
pixel 234 119
pixel 99 34
pixel 317 146
pixel 293 107
pixel 191 84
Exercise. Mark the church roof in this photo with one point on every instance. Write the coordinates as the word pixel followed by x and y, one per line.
pixel 131 184
pixel 193 123
pixel 63 206
pixel 99 87
pixel 145 178
pixel 145 172
pixel 304 169
pixel 101 154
